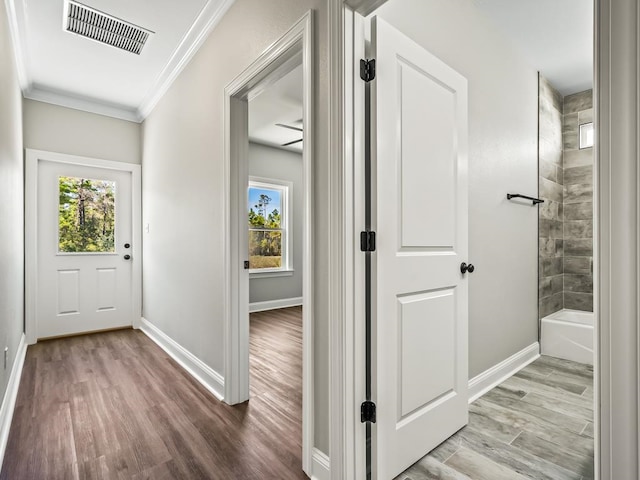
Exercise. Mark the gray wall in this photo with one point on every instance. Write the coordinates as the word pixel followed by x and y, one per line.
pixel 551 177
pixel 74 132
pixel 279 164
pixel 578 204
pixel 11 205
pixel 503 138
pixel 183 189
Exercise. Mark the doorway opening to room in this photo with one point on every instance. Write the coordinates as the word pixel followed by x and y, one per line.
pixel 269 330
pixel 492 403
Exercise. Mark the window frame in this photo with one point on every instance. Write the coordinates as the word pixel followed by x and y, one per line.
pixel 285 188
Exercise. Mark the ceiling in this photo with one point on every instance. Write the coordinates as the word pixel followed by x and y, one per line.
pixel 67 69
pixel 554 36
pixel 279 103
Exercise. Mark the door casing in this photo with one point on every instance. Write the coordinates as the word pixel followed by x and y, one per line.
pixel 293 48
pixel 32 159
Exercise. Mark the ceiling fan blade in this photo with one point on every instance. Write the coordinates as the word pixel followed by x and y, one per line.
pixel 289 127
pixel 291 143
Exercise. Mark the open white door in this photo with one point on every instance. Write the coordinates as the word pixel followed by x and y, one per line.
pixel 419 137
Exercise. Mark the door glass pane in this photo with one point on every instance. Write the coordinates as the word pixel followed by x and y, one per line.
pixel 86 215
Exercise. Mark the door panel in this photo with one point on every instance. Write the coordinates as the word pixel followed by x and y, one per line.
pixel 419 146
pixel 84 221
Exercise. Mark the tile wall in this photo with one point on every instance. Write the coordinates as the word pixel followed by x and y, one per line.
pixel 566 216
pixel 578 204
pixel 551 232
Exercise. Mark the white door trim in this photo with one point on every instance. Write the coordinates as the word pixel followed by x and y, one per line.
pixel 32 157
pixel 295 44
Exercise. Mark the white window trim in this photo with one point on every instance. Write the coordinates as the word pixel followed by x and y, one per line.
pixel 286 188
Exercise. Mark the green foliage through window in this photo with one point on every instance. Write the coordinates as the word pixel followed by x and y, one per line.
pixel 265 228
pixel 86 215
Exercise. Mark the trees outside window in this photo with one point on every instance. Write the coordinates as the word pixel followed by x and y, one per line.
pixel 268 228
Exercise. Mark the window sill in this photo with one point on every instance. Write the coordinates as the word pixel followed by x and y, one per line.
pixel 277 273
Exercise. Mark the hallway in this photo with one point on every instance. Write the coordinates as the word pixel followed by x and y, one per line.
pixel 114 405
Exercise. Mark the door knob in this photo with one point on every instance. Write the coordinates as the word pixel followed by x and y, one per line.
pixel 127 257
pixel 464 268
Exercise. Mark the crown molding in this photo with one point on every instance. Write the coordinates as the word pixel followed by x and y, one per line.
pixel 15 17
pixel 208 18
pixel 86 104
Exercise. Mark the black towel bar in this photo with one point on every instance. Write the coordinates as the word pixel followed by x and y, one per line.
pixel 534 201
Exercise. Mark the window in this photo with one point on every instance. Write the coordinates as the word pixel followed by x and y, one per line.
pixel 86 215
pixel 268 215
pixel 586 135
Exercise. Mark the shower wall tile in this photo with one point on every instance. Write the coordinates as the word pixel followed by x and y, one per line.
pixel 578 211
pixel 578 229
pixel 579 175
pixel 578 283
pixel 578 247
pixel 585 116
pixel 570 131
pixel 577 204
pixel 578 158
pixel 551 190
pixel 578 301
pixel 578 102
pixel 581 193
pixel 551 304
pixel 578 265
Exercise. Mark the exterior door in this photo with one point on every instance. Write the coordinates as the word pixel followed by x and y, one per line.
pixel 419 146
pixel 84 249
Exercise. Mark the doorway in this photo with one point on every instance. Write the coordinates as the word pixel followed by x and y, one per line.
pixel 82 242
pixel 503 234
pixel 264 249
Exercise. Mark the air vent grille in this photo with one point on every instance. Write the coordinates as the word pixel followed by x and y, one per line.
pixel 98 26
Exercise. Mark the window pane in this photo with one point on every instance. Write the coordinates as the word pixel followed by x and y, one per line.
pixel 86 215
pixel 586 135
pixel 265 249
pixel 265 207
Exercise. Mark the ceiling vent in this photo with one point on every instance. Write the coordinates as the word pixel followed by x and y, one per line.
pixel 103 28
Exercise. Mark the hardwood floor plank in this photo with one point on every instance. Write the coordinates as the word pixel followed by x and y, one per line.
pixel 429 468
pixel 548 392
pixel 114 405
pixel 563 457
pixel 480 467
pixel 551 382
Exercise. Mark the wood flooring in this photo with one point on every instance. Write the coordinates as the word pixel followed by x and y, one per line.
pixel 537 424
pixel 115 406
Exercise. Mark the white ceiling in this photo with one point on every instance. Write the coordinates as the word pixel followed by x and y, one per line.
pixel 70 70
pixel 554 36
pixel 280 103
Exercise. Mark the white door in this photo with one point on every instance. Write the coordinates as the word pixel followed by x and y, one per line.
pixel 84 249
pixel 419 118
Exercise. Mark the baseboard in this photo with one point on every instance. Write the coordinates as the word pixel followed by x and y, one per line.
pixel 9 401
pixel 320 469
pixel 208 377
pixel 481 384
pixel 273 304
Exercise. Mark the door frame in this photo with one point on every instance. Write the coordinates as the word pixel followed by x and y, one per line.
pixel 294 47
pixel 617 346
pixel 32 162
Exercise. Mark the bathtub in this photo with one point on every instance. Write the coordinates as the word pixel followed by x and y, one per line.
pixel 568 334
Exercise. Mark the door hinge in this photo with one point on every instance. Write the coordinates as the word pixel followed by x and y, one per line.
pixel 368 241
pixel 368 69
pixel 368 412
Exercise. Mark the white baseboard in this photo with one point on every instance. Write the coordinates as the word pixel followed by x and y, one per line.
pixel 9 401
pixel 208 377
pixel 273 304
pixel 481 384
pixel 320 469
